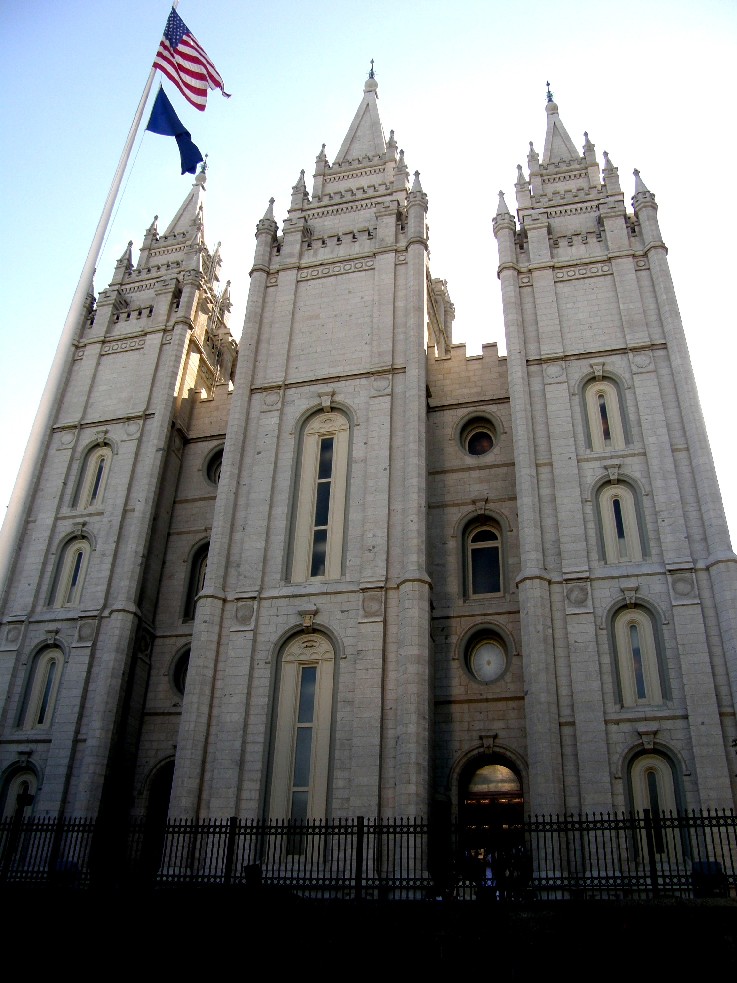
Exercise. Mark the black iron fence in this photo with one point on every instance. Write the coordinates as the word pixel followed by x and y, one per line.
pixel 612 856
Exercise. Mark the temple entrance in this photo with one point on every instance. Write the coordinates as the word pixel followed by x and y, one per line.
pixel 490 815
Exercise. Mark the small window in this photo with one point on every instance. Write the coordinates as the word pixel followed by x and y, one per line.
pixel 93 477
pixel 619 524
pixel 478 437
pixel 486 657
pixel 195 580
pixel 604 415
pixel 213 466
pixel 71 568
pixel 41 689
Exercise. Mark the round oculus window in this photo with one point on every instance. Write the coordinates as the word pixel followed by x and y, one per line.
pixel 212 468
pixel 477 437
pixel 487 660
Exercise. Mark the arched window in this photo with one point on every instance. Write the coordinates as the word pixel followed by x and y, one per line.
pixel 639 666
pixel 620 527
pixel 93 477
pixel 653 787
pixel 299 783
pixel 604 415
pixel 18 795
pixel 320 515
pixel 41 689
pixel 195 579
pixel 71 568
pixel 483 559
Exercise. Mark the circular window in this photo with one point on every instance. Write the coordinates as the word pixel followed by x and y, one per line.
pixel 487 659
pixel 213 465
pixel 478 437
pixel 179 672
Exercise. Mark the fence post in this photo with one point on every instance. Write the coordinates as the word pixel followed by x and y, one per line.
pixel 230 851
pixel 358 877
pixel 650 840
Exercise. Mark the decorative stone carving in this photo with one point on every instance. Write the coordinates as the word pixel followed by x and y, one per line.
pixel 244 612
pixel 577 594
pixel 372 603
pixel 682 584
pixel 554 370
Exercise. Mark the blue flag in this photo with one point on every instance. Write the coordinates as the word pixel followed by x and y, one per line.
pixel 165 121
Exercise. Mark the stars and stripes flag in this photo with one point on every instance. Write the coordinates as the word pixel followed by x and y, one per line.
pixel 183 60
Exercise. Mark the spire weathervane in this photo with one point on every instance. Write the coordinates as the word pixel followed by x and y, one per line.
pixel 550 94
pixel 371 73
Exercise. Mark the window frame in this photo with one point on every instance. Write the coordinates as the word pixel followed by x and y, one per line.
pixel 642 669
pixel 610 390
pixel 319 428
pixel 90 491
pixel 70 573
pixel 302 652
pixel 631 532
pixel 39 693
pixel 471 529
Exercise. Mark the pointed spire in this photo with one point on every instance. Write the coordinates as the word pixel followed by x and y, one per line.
pixel 365 136
pixel 321 156
pixel 191 212
pixel 502 206
pixel 267 223
pixel 588 146
pixel 126 256
pixel 607 162
pixel 520 176
pixel 416 186
pixel 533 158
pixel 558 145
pixel 640 186
pixel 152 229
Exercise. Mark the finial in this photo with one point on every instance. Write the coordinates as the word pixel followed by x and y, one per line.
pixel 371 73
pixel 550 94
pixel 203 165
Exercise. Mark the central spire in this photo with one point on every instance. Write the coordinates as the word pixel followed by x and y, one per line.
pixel 365 136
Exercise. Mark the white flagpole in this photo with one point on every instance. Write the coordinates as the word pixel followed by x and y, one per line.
pixel 15 517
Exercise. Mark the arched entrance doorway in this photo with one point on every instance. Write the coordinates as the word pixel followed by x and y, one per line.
pixel 490 817
pixel 157 813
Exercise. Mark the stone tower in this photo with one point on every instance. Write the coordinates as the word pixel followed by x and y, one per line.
pixel 80 603
pixel 626 571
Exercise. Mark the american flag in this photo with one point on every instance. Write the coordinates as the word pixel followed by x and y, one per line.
pixel 184 62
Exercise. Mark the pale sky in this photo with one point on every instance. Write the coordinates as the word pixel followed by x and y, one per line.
pixel 463 87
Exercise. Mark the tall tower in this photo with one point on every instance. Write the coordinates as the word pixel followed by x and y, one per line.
pixel 308 692
pixel 78 620
pixel 627 630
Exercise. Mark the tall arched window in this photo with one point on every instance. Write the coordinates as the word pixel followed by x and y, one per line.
pixel 604 415
pixel 41 689
pixel 639 666
pixel 620 527
pixel 320 515
pixel 93 477
pixel 70 572
pixel 483 559
pixel 299 781
pixel 195 579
